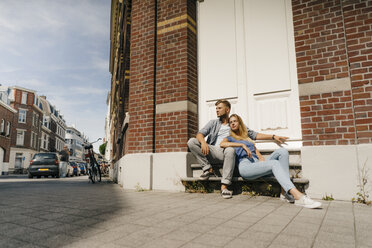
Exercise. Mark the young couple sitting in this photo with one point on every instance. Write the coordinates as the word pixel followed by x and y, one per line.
pixel 230 142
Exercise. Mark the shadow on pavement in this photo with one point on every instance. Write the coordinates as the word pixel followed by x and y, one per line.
pixel 56 212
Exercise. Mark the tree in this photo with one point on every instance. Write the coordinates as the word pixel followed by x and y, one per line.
pixel 102 148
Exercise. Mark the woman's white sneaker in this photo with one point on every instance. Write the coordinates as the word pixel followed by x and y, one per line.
pixel 307 202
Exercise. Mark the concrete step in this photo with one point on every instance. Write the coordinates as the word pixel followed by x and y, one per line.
pixel 262 186
pixel 295 167
pixel 295 170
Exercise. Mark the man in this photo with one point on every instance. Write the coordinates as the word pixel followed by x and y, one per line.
pixel 209 152
pixel 65 157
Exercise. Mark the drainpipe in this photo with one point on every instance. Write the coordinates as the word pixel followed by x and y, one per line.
pixel 155 61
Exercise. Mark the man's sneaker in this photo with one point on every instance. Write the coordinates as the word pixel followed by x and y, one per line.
pixel 226 193
pixel 287 197
pixel 205 176
pixel 306 202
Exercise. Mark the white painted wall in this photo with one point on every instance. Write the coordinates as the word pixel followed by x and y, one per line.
pixel 334 170
pixel 27 155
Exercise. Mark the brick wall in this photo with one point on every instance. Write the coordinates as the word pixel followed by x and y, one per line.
pixel 7 116
pixel 327 119
pixel 358 29
pixel 333 41
pixel 176 73
pixel 29 115
pixel 141 88
pixel 319 40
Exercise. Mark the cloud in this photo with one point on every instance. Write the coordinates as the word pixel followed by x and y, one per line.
pixel 59 49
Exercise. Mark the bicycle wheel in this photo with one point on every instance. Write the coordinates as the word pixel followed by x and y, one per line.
pixel 99 175
pixel 92 175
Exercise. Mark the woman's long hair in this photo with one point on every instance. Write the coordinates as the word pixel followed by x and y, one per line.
pixel 242 132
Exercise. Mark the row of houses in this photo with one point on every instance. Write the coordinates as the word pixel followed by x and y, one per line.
pixel 31 124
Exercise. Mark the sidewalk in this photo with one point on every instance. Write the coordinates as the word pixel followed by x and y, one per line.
pixel 75 213
pixel 207 220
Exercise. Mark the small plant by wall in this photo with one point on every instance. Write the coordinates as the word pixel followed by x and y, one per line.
pixel 363 194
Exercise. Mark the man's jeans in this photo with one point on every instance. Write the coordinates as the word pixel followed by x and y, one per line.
pixel 217 155
pixel 277 164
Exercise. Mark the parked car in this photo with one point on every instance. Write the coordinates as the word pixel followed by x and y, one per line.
pixel 44 164
pixel 70 170
pixel 76 168
pixel 82 167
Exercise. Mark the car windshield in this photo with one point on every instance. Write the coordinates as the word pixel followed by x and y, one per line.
pixel 42 156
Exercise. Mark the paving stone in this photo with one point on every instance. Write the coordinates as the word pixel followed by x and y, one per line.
pixel 336 237
pixel 213 240
pixel 293 241
pixel 226 231
pixel 247 243
pixel 44 224
pixel 18 231
pixel 267 228
pixel 164 243
pixel 11 243
pixel 238 224
pixel 257 236
pixel 7 226
pixel 331 244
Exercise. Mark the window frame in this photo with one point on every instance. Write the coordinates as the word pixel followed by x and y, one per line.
pixel 25 115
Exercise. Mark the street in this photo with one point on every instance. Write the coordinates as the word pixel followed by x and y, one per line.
pixel 70 212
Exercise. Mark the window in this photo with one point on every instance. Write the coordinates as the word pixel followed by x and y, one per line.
pixel 32 140
pixel 22 116
pixel 24 98
pixel 8 129
pixel 20 137
pixel 2 127
pixel 35 141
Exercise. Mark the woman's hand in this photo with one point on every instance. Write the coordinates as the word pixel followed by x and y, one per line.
pixel 260 158
pixel 247 150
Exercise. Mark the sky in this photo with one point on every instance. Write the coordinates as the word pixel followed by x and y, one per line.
pixel 60 49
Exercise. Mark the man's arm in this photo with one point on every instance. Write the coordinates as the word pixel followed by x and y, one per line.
pixel 204 146
pixel 200 136
pixel 262 136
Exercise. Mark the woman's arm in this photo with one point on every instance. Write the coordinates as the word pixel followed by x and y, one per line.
pixel 225 143
pixel 259 155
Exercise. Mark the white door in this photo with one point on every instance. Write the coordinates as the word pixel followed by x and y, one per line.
pixel 247 55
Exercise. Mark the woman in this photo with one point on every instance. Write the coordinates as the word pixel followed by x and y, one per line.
pixel 252 164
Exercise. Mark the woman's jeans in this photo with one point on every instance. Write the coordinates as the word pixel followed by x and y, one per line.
pixel 277 164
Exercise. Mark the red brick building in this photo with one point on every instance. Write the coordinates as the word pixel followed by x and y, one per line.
pixel 300 68
pixel 7 115
pixel 25 141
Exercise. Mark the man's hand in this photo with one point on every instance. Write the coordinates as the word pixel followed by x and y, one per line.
pixel 204 148
pixel 280 139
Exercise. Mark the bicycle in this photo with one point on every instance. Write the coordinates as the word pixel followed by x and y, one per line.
pixel 94 171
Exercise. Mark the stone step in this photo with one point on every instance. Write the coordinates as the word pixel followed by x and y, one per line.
pixel 261 186
pixel 295 170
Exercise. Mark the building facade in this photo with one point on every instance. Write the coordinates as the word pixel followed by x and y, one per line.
pixel 299 68
pixel 35 126
pixel 26 129
pixel 53 126
pixel 74 141
pixel 7 119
